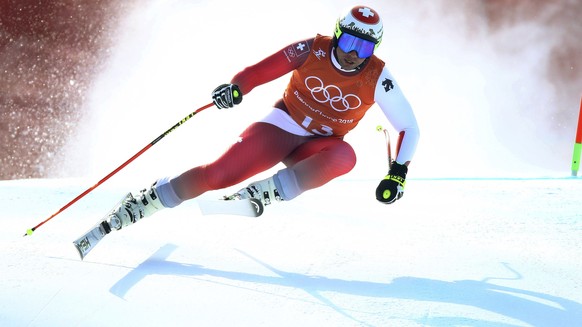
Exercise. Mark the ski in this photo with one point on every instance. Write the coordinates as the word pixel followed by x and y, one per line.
pixel 89 240
pixel 243 207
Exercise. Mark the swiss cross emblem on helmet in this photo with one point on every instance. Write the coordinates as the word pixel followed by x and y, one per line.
pixel 363 22
pixel 366 15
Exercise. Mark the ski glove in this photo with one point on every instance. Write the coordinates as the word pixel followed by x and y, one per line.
pixel 391 188
pixel 226 96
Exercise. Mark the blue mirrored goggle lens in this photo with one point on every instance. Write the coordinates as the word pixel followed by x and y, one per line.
pixel 349 43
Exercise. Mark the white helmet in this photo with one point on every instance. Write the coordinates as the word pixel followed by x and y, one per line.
pixel 363 22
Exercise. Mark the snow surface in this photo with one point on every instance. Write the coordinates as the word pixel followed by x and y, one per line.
pixel 452 252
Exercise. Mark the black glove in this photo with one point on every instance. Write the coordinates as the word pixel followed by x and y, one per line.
pixel 391 188
pixel 226 96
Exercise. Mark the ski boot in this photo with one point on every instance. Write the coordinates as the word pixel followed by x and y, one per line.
pixel 265 191
pixel 131 209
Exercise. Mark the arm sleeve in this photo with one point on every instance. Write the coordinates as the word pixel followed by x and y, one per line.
pixel 274 66
pixel 398 111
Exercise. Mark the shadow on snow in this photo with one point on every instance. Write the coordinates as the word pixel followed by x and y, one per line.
pixel 533 308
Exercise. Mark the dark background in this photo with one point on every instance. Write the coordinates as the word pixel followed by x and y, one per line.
pixel 49 52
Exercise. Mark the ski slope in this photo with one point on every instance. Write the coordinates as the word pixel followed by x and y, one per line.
pixel 487 234
pixel 452 252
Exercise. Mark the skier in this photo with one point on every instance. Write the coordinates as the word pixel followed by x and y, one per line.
pixel 334 81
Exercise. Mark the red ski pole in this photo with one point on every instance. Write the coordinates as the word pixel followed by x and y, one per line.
pixel 379 128
pixel 31 230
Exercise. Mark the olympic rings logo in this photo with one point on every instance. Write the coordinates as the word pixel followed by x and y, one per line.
pixel 332 94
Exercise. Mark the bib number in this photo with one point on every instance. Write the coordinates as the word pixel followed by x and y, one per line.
pixel 322 130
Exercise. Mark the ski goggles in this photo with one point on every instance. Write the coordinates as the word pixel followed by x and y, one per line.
pixel 348 43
